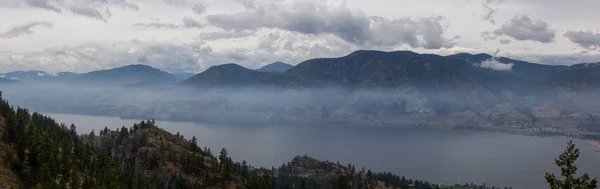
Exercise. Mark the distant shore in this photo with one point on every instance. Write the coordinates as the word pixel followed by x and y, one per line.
pixel 594 142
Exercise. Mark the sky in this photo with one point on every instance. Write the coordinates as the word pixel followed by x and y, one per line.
pixel 193 35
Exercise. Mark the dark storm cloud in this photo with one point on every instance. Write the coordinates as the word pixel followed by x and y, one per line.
pixel 524 28
pixel 586 39
pixel 25 29
pixel 354 26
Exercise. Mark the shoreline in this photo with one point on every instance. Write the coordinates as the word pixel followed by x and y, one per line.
pixel 477 129
pixel 594 142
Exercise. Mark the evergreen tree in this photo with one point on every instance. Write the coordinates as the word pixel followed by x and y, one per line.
pixel 566 162
pixel 194 143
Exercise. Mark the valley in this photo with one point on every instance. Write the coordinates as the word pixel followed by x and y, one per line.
pixel 435 155
pixel 299 94
pixel 364 88
pixel 38 152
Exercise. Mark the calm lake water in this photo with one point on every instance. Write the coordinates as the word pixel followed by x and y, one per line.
pixel 497 159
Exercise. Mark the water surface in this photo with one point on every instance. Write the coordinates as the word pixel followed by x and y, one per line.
pixel 438 156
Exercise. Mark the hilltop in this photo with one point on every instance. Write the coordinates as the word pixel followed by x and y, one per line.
pixel 275 67
pixel 136 75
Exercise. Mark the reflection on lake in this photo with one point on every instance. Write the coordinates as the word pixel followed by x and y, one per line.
pixel 437 156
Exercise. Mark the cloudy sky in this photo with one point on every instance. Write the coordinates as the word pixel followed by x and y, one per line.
pixel 192 35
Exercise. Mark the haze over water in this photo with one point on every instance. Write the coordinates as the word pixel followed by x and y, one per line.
pixel 437 156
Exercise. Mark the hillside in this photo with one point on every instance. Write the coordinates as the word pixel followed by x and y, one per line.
pixel 131 76
pixel 38 152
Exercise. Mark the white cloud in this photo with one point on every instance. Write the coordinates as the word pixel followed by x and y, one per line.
pixel 524 28
pixel 494 64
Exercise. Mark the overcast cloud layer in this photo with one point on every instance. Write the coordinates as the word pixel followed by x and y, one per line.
pixel 192 35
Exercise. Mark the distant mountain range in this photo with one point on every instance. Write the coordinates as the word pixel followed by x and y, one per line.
pixel 367 88
pixel 368 69
pixel 131 75
pixel 39 76
pixel 360 69
pixel 407 88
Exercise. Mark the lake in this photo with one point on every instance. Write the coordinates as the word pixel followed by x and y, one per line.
pixel 438 156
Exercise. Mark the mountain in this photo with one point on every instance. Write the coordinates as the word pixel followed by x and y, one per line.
pixel 275 67
pixel 402 88
pixel 227 75
pixel 38 152
pixel 39 76
pixel 530 72
pixel 577 77
pixel 427 72
pixel 399 88
pixel 132 75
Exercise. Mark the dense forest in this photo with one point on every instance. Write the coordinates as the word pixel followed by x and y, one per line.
pixel 38 152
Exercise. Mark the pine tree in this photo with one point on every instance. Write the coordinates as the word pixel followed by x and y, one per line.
pixel 566 162
pixel 194 144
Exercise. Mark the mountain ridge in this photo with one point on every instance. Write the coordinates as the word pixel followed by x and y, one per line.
pixel 227 75
pixel 134 75
pixel 275 67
